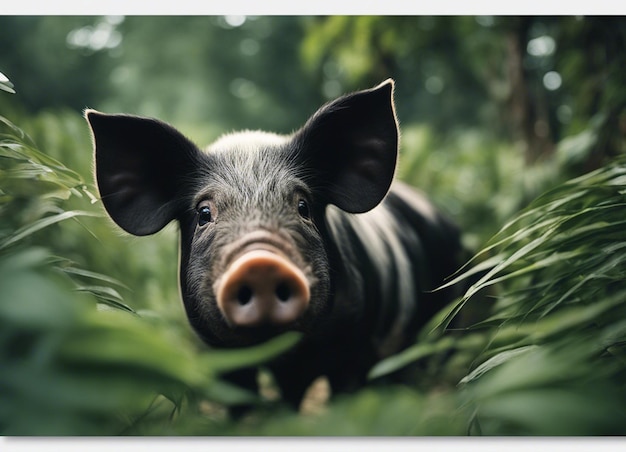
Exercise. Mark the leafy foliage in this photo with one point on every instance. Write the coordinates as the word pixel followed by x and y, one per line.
pixel 563 312
pixel 549 360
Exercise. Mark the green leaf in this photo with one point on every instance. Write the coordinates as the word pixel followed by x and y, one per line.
pixel 5 84
pixel 226 360
pixel 409 356
pixel 495 361
pixel 41 224
pixel 106 296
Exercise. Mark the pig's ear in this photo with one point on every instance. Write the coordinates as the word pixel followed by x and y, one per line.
pixel 142 166
pixel 352 145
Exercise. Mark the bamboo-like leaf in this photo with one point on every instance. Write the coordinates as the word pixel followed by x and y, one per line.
pixel 93 275
pixel 226 360
pixel 495 361
pixel 41 224
pixel 5 84
pixel 408 356
pixel 107 296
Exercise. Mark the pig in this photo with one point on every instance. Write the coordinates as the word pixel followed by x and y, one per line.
pixel 305 232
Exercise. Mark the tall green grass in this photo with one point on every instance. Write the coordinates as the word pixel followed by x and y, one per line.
pixel 551 357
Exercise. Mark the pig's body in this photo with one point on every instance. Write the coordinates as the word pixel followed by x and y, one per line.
pixel 390 258
pixel 302 232
pixel 384 264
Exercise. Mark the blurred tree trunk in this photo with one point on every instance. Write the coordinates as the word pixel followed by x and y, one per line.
pixel 527 110
pixel 603 43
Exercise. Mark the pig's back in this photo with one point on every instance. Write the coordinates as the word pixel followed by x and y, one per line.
pixel 387 260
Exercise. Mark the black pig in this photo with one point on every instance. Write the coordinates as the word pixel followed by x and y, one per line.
pixel 302 232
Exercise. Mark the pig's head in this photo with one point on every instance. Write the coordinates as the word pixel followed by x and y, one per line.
pixel 254 253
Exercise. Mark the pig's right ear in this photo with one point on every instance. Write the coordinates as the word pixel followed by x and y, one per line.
pixel 142 166
pixel 350 146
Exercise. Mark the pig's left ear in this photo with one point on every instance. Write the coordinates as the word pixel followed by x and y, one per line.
pixel 351 144
pixel 143 168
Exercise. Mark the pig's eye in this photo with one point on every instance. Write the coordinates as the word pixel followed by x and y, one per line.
pixel 204 215
pixel 303 209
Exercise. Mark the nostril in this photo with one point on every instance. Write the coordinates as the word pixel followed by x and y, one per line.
pixel 283 292
pixel 244 295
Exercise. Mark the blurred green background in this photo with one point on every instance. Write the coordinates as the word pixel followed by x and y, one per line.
pixel 494 111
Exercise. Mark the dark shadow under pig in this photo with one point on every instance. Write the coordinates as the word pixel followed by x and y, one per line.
pixel 304 232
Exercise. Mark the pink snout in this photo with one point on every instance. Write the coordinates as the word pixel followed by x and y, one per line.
pixel 262 288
